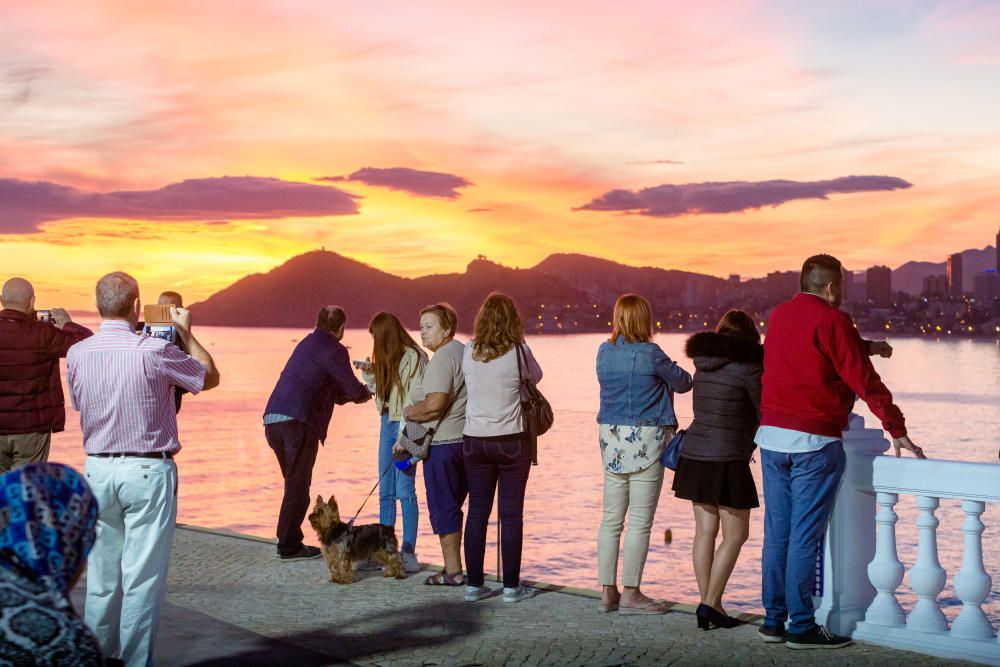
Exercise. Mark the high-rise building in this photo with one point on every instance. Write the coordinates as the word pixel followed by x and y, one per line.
pixel 878 282
pixel 849 291
pixel 986 286
pixel 997 250
pixel 955 275
pixel 935 286
pixel 782 285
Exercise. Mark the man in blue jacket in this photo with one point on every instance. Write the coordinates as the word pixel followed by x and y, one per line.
pixel 317 376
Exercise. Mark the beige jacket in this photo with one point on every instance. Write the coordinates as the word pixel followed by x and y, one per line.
pixel 411 366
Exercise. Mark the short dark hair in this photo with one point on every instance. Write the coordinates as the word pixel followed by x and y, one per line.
pixel 116 294
pixel 819 271
pixel 174 298
pixel 331 318
pixel 446 316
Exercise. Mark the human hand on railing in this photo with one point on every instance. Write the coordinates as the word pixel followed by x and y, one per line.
pixel 906 443
pixel 879 348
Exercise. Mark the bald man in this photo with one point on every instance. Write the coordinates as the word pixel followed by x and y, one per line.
pixel 31 397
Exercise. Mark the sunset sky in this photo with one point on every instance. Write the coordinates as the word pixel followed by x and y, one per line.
pixel 191 143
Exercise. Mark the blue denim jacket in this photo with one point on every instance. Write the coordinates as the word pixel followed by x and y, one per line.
pixel 638 381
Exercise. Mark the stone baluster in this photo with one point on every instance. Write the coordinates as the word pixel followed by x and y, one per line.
pixel 850 536
pixel 927 577
pixel 885 571
pixel 972 583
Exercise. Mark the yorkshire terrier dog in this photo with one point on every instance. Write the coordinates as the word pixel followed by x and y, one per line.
pixel 342 547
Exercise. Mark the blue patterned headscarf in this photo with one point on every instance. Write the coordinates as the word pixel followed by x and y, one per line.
pixel 47 523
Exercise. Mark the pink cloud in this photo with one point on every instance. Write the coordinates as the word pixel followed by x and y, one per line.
pixel 28 203
pixel 665 201
pixel 413 181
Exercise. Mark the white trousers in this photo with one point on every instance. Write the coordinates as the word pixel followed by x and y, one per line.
pixel 636 493
pixel 127 569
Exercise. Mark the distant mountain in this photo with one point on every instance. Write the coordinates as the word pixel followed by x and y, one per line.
pixel 291 294
pixel 910 276
pixel 603 280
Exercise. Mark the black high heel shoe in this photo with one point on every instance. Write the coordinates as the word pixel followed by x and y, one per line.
pixel 708 617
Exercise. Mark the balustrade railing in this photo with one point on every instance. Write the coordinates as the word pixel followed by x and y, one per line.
pixel 867 607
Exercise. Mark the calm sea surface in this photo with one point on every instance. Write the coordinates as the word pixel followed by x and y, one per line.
pixel 229 478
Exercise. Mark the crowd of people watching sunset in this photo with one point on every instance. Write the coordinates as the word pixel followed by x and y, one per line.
pixel 466 404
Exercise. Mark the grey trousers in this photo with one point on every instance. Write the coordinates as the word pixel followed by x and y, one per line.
pixel 22 449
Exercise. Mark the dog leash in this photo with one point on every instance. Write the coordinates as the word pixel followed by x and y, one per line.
pixel 350 524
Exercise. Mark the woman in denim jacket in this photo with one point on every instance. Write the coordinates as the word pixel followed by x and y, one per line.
pixel 638 381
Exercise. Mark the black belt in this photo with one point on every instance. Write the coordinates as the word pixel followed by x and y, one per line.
pixel 137 455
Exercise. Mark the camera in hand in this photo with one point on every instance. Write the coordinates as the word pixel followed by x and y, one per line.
pixel 44 316
pixel 159 324
pixel 165 331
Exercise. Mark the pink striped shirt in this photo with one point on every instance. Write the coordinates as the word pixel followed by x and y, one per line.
pixel 122 386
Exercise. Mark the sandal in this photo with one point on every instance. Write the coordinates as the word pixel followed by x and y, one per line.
pixel 445 579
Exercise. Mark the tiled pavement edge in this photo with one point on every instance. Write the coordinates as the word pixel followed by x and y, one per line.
pixel 377 621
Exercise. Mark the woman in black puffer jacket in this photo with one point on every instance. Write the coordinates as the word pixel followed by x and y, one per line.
pixel 714 469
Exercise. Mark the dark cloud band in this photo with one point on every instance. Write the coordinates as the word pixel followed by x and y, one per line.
pixel 25 204
pixel 413 181
pixel 665 201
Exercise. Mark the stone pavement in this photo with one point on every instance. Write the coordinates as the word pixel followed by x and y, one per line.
pixel 230 601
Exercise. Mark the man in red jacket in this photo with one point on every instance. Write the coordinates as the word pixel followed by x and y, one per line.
pixel 31 397
pixel 815 363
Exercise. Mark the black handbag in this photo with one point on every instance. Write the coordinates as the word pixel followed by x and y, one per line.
pixel 536 413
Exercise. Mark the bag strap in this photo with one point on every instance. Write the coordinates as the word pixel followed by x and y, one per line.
pixel 520 352
pixel 451 401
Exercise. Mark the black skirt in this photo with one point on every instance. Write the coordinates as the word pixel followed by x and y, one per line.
pixel 726 483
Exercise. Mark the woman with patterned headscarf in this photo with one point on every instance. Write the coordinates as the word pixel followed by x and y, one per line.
pixel 47 527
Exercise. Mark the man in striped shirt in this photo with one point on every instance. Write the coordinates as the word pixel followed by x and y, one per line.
pixel 123 386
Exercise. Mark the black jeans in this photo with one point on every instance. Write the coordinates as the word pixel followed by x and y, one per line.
pixel 503 461
pixel 295 445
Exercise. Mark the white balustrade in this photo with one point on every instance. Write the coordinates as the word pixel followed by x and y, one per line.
pixel 972 583
pixel 885 571
pixel 927 576
pixel 850 538
pixel 872 480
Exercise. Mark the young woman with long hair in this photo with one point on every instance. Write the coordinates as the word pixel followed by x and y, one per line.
pixel 396 362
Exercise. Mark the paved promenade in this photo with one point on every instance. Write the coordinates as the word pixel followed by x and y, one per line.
pixel 231 602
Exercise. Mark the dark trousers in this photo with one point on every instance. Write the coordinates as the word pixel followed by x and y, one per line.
pixel 295 445
pixel 503 462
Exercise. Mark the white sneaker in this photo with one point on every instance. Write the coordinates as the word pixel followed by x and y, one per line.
pixel 516 594
pixel 476 593
pixel 410 562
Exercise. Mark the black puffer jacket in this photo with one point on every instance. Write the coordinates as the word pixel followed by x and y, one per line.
pixel 727 377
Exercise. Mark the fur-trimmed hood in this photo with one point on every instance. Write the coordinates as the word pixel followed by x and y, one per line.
pixel 711 351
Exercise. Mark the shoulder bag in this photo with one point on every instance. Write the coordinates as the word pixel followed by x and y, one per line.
pixel 536 413
pixel 416 438
pixel 672 454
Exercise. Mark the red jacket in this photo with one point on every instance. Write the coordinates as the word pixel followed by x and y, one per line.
pixel 814 364
pixel 31 395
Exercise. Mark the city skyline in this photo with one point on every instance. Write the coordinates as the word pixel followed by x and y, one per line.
pixel 192 145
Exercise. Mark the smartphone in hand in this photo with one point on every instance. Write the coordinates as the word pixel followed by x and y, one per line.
pixel 362 365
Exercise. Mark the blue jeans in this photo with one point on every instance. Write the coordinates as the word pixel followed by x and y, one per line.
pixel 502 462
pixel 799 490
pixel 396 484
